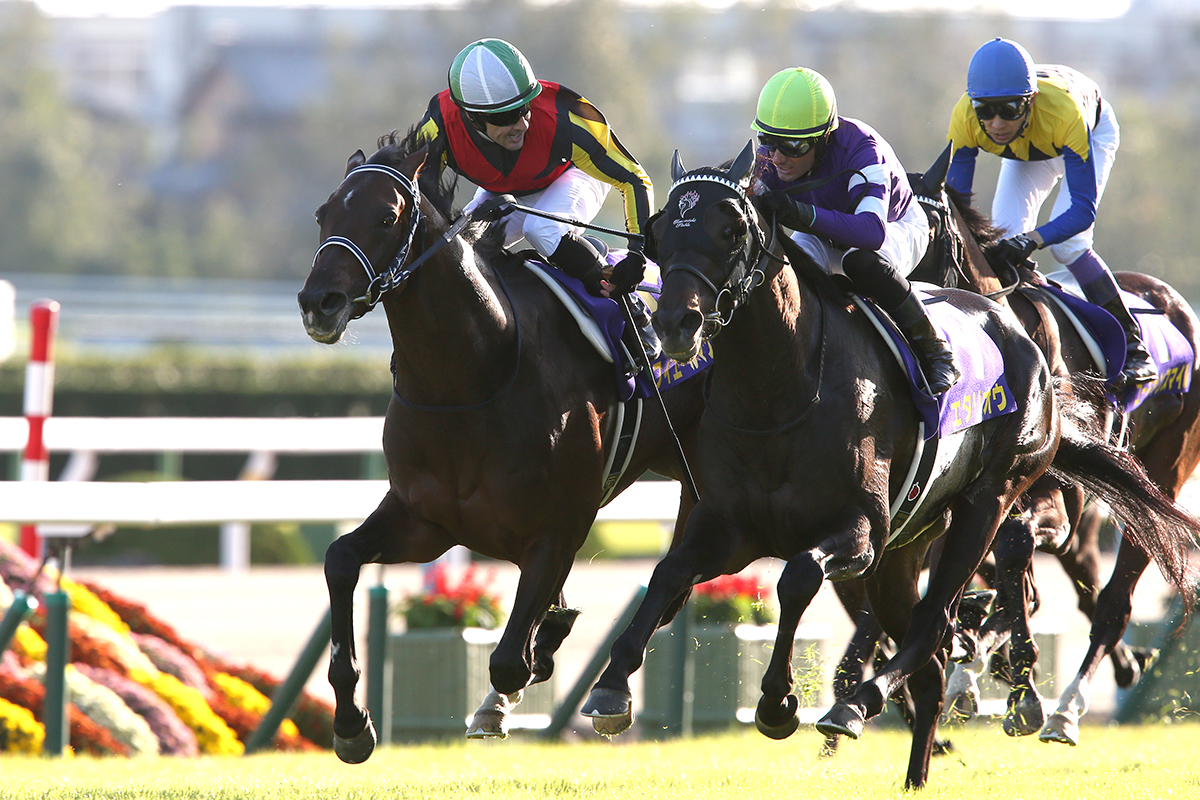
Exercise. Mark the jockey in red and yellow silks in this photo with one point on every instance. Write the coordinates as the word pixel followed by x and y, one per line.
pixel 509 133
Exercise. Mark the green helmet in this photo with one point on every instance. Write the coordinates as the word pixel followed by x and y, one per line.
pixel 797 103
pixel 491 75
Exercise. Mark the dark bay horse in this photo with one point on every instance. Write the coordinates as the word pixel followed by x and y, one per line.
pixel 805 441
pixel 500 423
pixel 1164 434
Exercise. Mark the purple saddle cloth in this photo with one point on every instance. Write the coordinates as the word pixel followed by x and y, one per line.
pixel 980 394
pixel 1170 349
pixel 607 314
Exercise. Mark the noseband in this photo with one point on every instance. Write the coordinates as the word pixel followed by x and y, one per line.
pixel 745 257
pixel 396 274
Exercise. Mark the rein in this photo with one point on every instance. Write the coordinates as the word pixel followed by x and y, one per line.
pixel 740 291
pixel 959 251
pixel 396 275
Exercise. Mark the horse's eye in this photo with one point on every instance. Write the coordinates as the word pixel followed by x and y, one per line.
pixel 389 220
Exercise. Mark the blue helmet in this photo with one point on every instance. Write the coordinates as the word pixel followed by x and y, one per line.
pixel 1001 68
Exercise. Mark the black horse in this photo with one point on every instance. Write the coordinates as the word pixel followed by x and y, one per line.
pixel 806 439
pixel 502 420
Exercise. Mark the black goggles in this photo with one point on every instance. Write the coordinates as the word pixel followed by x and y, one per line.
pixel 792 148
pixel 1008 110
pixel 502 119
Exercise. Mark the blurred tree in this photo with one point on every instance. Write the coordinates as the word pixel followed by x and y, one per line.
pixel 64 205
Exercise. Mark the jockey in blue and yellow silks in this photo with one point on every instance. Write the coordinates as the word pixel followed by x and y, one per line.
pixel 509 133
pixel 1046 123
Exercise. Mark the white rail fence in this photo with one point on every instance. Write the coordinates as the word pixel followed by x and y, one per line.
pixel 74 504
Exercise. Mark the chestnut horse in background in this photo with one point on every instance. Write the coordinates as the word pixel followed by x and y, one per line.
pixel 1163 432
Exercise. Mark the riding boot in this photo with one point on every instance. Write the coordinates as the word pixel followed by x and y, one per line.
pixel 932 351
pixel 1139 364
pixel 577 257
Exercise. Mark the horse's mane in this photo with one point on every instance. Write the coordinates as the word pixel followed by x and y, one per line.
pixel 438 185
pixel 978 224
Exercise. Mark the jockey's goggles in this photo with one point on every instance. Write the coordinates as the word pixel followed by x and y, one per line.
pixel 791 148
pixel 502 119
pixel 1010 109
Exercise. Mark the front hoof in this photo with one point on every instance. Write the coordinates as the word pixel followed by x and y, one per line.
pixel 611 711
pixel 1061 729
pixel 490 720
pixel 1025 715
pixel 357 748
pixel 777 720
pixel 842 719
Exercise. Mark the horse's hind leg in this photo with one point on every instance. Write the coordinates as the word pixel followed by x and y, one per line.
pixel 512 663
pixel 1081 562
pixel 1113 609
pixel 385 537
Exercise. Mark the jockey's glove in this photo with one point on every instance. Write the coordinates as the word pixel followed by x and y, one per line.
pixel 788 211
pixel 494 208
pixel 627 273
pixel 1014 250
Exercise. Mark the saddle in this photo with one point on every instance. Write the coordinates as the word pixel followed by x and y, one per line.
pixel 1105 339
pixel 981 394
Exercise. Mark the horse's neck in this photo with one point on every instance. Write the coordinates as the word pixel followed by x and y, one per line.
pixel 453 330
pixel 773 344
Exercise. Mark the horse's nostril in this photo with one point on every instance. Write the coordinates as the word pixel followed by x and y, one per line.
pixel 332 302
pixel 691 322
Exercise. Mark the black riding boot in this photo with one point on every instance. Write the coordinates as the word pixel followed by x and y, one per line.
pixel 1139 364
pixel 932 351
pixel 578 258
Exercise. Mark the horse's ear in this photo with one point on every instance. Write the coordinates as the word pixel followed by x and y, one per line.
pixel 677 168
pixel 355 161
pixel 935 176
pixel 739 170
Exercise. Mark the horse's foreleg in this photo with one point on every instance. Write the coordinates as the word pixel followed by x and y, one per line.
pixel 610 703
pixel 776 715
pixel 1113 609
pixel 379 539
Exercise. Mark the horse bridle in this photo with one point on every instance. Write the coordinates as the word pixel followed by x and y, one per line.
pixel 745 259
pixel 396 274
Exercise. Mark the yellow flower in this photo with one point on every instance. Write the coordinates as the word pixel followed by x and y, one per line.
pixel 19 731
pixel 213 735
pixel 85 601
pixel 243 695
pixel 29 643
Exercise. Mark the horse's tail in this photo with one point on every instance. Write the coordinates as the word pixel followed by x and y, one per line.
pixel 1152 520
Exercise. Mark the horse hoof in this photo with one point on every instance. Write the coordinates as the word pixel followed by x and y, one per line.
pixel 490 720
pixel 790 720
pixel 358 748
pixel 488 725
pixel 1025 715
pixel 1060 729
pixel 611 711
pixel 842 719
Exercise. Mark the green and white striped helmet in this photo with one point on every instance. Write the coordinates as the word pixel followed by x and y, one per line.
pixel 490 76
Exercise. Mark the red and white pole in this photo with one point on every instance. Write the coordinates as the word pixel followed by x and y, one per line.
pixel 39 398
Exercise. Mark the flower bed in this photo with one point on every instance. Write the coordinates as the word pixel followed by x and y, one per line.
pixel 135 686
